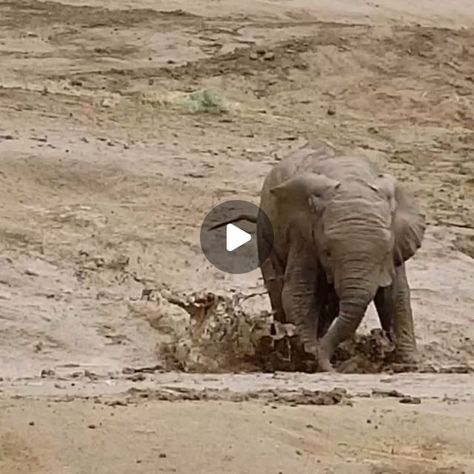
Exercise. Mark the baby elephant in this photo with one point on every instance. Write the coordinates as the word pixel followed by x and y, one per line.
pixel 342 233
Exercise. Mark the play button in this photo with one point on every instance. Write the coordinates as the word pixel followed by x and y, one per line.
pixel 229 237
pixel 235 237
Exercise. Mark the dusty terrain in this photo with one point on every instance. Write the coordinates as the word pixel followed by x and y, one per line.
pixel 109 161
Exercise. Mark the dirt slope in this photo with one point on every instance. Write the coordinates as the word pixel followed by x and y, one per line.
pixel 108 165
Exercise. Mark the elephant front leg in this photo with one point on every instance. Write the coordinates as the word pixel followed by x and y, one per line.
pixel 299 299
pixel 394 308
pixel 273 278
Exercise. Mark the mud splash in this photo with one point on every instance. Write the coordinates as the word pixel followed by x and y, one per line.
pixel 207 332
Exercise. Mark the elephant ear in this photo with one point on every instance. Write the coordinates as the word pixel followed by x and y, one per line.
pixel 408 222
pixel 310 188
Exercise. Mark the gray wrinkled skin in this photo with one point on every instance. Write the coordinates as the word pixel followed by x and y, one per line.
pixel 342 232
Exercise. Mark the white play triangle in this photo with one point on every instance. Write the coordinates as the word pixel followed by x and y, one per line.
pixel 235 237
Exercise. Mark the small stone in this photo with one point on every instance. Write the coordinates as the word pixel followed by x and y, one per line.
pixel 90 374
pixel 331 110
pixel 31 273
pixel 253 56
pixel 31 423
pixel 107 103
pixel 410 400
pixel 269 56
pixel 47 373
pixel 162 455
pixel 92 427
pixel 137 377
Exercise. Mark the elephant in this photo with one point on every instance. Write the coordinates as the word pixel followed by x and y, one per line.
pixel 342 232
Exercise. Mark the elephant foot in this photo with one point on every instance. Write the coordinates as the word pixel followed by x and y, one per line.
pixel 404 361
pixel 320 356
pixel 406 357
pixel 324 361
pixel 326 366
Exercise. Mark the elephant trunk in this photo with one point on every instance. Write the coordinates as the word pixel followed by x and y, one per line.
pixel 355 293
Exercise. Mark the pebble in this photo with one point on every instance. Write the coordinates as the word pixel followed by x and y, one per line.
pixel 410 400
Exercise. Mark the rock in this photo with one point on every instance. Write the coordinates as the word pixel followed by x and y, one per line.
pixel 47 373
pixel 107 103
pixel 137 377
pixel 410 400
pixel 388 393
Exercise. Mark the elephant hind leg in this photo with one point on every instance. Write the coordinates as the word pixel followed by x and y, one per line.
pixel 395 314
pixel 329 310
pixel 405 341
pixel 385 305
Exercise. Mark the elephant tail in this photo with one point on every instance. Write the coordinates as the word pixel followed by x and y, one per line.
pixel 240 217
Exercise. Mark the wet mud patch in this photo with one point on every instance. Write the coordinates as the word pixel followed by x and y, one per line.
pixel 363 354
pixel 218 333
pixel 336 396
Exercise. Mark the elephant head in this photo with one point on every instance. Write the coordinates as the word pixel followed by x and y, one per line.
pixel 359 231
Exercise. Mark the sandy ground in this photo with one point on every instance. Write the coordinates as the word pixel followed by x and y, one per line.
pixel 107 168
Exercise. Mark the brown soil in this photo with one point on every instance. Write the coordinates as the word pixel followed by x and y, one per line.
pixel 108 165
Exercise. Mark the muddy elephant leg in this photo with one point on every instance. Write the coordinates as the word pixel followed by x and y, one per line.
pixel 385 305
pixel 299 297
pixel 272 270
pixel 394 308
pixel 272 273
